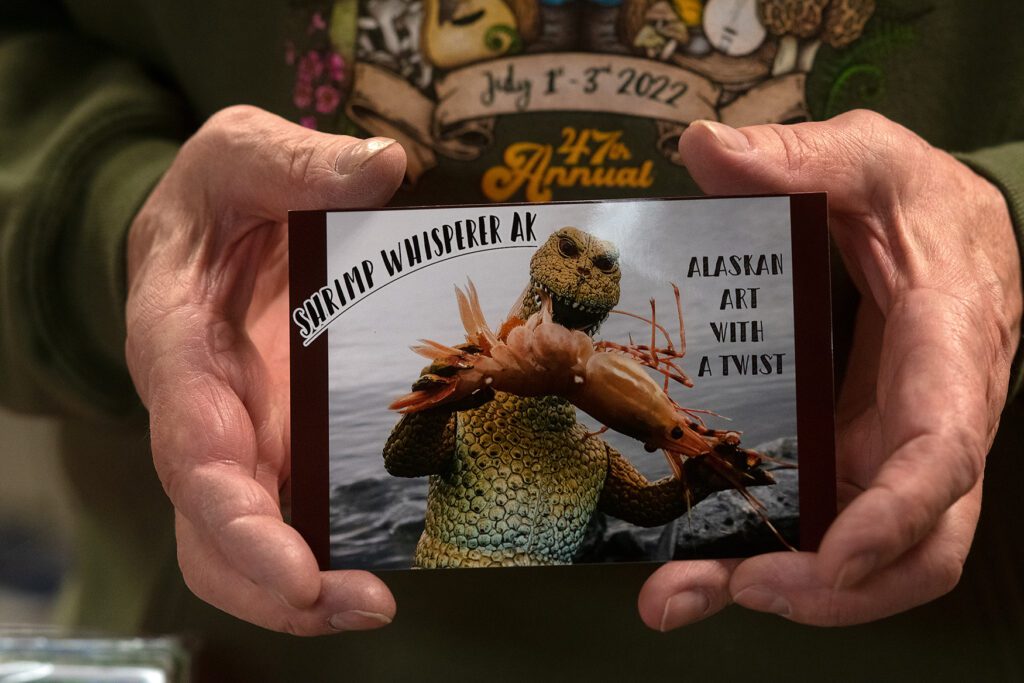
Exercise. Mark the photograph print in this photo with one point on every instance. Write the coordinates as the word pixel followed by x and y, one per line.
pixel 558 384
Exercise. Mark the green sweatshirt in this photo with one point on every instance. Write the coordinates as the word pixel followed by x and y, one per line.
pixel 551 101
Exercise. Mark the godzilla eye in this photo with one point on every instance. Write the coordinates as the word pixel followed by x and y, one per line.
pixel 677 432
pixel 604 263
pixel 568 248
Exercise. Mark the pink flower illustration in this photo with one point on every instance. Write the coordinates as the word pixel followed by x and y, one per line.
pixel 316 23
pixel 311 66
pixel 302 96
pixel 327 99
pixel 308 122
pixel 336 67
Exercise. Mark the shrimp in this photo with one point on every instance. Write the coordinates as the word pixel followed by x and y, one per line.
pixel 608 381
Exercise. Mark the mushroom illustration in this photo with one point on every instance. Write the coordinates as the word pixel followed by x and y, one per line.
pixel 845 20
pixel 412 20
pixel 664 20
pixel 387 13
pixel 654 27
pixel 648 40
pixel 802 25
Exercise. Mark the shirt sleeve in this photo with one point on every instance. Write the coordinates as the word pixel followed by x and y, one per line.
pixel 1003 165
pixel 84 136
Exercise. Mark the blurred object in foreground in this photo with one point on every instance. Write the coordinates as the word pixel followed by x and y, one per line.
pixel 33 656
pixel 37 512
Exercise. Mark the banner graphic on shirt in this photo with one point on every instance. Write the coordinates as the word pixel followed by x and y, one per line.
pixel 439 74
pixel 460 123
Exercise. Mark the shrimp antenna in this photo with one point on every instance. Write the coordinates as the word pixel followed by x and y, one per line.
pixel 731 475
pixel 679 312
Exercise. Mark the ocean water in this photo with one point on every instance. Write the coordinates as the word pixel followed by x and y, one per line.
pixel 375 516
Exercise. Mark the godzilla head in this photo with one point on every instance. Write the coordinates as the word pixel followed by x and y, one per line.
pixel 581 275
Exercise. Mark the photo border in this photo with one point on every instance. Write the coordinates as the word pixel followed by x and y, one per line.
pixel 812 322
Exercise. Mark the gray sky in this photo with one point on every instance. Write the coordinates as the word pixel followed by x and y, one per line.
pixel 369 356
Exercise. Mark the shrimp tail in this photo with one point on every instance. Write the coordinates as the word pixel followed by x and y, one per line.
pixel 421 399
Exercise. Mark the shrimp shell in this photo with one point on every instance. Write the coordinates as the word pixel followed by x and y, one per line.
pixel 539 357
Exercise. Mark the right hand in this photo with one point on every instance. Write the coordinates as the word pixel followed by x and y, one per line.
pixel 207 348
pixel 931 247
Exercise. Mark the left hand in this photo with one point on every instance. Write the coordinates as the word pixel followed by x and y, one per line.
pixel 931 248
pixel 207 347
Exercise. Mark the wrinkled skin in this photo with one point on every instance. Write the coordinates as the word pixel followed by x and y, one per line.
pixel 929 243
pixel 207 348
pixel 931 248
pixel 516 480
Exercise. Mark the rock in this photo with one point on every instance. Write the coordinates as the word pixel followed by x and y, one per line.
pixel 725 525
pixel 783 448
pixel 612 540
pixel 377 522
pixel 722 525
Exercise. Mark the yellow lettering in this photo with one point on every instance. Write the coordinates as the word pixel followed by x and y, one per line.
pixel 586 158
pixel 523 162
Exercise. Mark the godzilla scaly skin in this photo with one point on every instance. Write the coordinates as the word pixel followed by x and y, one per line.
pixel 515 481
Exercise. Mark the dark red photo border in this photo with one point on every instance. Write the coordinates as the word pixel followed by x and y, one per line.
pixel 310 434
pixel 310 431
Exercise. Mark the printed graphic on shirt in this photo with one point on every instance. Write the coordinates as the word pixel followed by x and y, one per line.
pixel 440 76
pixel 321 72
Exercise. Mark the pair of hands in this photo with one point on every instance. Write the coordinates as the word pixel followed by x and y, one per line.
pixel 928 243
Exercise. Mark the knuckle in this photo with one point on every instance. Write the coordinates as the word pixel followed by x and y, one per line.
pixel 871 129
pixel 947 573
pixel 193 576
pixel 239 116
pixel 228 133
pixel 864 119
pixel 912 522
pixel 968 465
pixel 883 147
pixel 903 521
pixel 168 469
pixel 192 582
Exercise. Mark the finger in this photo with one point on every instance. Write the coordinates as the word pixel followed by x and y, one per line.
pixel 861 159
pixel 845 156
pixel 682 593
pixel 217 469
pixel 206 452
pixel 790 585
pixel 936 430
pixel 344 600
pixel 266 165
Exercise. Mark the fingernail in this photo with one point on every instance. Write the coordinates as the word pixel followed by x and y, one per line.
pixel 763 599
pixel 356 155
pixel 684 608
pixel 727 136
pixel 358 620
pixel 855 570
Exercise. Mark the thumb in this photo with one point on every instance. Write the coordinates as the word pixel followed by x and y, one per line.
pixel 859 158
pixel 264 166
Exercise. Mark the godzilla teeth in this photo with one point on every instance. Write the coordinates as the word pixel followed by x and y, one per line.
pixel 563 302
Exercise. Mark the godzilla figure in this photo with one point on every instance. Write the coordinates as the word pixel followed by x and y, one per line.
pixel 514 480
